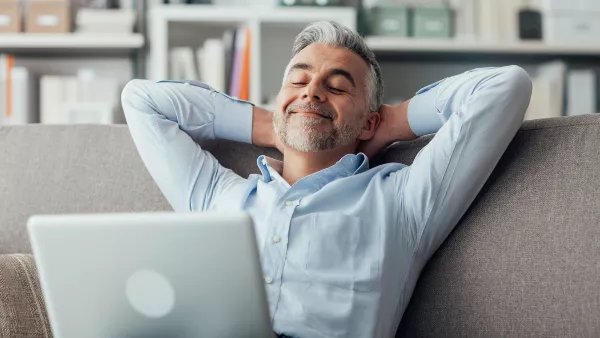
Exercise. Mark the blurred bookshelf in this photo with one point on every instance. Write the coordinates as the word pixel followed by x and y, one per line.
pixel 66 61
pixel 557 42
pixel 271 32
pixel 207 43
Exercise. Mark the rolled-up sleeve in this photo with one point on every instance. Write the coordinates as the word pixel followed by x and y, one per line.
pixel 423 117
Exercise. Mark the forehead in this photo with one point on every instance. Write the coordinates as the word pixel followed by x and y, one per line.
pixel 322 58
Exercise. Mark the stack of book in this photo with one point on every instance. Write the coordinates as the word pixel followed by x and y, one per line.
pixel 559 91
pixel 223 64
pixel 17 97
pixel 85 98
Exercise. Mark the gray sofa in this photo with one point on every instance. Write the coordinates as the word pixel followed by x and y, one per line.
pixel 524 261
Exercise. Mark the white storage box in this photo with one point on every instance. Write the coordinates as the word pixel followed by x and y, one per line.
pixel 106 21
pixel 572 27
pixel 570 5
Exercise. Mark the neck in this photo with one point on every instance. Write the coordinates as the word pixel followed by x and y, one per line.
pixel 298 164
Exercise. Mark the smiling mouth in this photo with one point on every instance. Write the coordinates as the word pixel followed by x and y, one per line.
pixel 312 113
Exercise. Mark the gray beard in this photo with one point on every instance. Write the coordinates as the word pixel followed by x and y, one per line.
pixel 302 133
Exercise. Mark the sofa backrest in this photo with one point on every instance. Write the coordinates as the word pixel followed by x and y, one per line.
pixel 524 260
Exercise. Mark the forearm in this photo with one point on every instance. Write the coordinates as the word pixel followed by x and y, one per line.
pixel 263 134
pixel 401 128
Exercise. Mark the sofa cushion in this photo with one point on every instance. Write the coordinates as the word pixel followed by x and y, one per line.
pixel 524 260
pixel 53 169
pixel 22 308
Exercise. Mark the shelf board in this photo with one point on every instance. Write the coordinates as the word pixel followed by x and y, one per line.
pixel 240 14
pixel 407 45
pixel 70 43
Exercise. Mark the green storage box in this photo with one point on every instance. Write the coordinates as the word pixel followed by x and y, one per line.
pixel 389 20
pixel 432 22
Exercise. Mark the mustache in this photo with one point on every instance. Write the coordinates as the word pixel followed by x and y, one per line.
pixel 310 106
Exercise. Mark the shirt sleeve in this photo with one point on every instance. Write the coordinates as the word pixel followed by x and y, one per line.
pixel 477 113
pixel 166 119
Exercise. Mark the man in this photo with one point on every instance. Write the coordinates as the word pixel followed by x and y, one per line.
pixel 341 244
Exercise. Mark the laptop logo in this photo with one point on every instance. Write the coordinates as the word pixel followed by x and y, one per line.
pixel 150 293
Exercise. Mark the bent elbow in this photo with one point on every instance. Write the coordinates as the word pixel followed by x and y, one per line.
pixel 518 79
pixel 135 97
pixel 518 87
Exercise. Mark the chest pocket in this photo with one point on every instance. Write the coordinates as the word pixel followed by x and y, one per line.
pixel 343 251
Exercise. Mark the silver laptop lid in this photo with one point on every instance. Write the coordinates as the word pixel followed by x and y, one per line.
pixel 150 275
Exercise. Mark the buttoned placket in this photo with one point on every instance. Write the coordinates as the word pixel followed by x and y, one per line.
pixel 278 240
pixel 276 245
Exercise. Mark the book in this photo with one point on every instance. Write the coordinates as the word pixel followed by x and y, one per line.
pixel 51 99
pixel 547 99
pixel 85 98
pixel 212 64
pixel 7 63
pixel 23 98
pixel 229 46
pixel 581 92
pixel 539 106
pixel 245 74
pixel 182 64
pixel 238 59
pixel 2 87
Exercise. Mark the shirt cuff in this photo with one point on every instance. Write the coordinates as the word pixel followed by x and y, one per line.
pixel 233 119
pixel 423 116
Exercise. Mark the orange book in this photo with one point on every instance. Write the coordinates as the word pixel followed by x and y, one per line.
pixel 245 81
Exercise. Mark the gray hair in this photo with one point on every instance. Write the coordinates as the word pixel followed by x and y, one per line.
pixel 335 35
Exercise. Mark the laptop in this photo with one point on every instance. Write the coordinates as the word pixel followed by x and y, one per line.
pixel 168 275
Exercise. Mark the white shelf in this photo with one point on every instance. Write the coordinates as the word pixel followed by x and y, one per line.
pixel 266 14
pixel 69 42
pixel 391 44
pixel 262 21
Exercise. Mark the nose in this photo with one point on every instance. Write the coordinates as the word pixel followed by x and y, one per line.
pixel 313 92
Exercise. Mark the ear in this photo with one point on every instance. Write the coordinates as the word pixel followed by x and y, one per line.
pixel 370 126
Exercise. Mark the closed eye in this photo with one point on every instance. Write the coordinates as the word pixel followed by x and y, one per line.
pixel 336 89
pixel 298 83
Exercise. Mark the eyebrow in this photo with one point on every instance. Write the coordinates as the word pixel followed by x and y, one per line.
pixel 334 71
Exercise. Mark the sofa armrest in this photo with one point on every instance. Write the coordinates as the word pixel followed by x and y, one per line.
pixel 22 307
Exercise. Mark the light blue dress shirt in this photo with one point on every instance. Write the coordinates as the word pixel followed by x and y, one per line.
pixel 341 249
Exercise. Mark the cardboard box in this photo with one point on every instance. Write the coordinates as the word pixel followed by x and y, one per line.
pixel 10 16
pixel 48 16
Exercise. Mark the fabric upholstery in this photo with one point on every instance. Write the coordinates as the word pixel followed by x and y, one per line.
pixel 48 169
pixel 524 261
pixel 22 309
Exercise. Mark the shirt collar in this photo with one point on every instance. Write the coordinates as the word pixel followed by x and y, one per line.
pixel 350 164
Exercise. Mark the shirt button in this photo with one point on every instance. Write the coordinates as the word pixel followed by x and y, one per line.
pixel 276 239
pixel 268 280
pixel 289 203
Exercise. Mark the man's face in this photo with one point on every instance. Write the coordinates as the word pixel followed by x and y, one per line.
pixel 322 102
